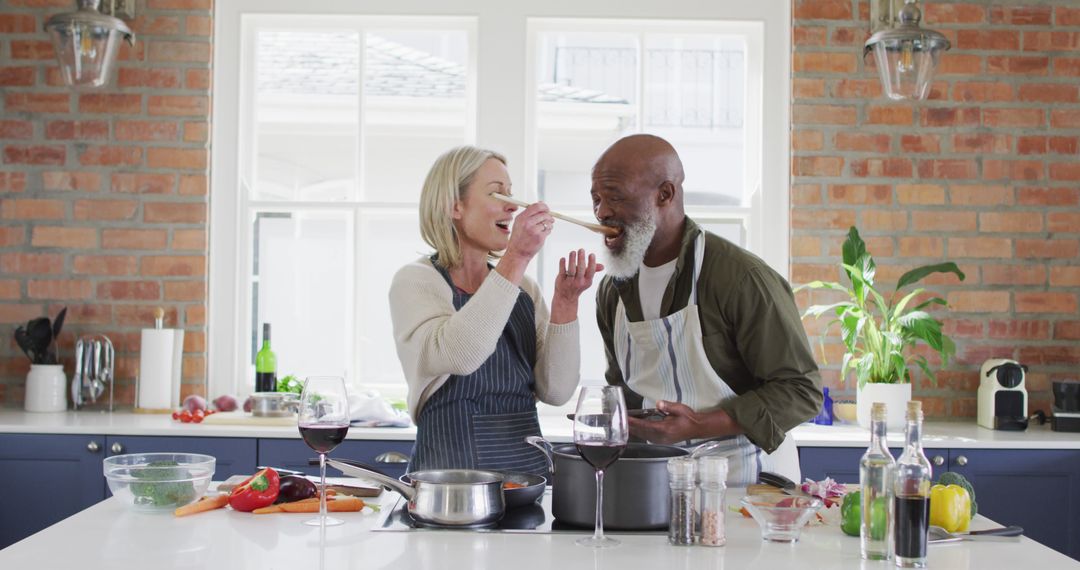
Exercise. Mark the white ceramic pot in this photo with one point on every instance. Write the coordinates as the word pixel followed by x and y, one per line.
pixel 895 397
pixel 46 388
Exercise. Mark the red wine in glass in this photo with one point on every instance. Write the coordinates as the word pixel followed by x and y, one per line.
pixel 321 438
pixel 601 455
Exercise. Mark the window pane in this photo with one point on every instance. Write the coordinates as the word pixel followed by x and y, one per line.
pixel 731 230
pixel 695 95
pixel 387 241
pixel 415 107
pixel 306 115
pixel 302 285
pixel 587 98
pixel 564 238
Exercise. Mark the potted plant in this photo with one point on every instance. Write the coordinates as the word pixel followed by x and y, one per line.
pixel 46 384
pixel 878 332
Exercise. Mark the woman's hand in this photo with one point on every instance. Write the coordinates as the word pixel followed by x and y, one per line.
pixel 531 229
pixel 576 273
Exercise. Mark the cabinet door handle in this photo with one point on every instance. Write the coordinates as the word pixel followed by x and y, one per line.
pixel 961 461
pixel 116 448
pixel 392 457
pixel 939 460
pixel 93 447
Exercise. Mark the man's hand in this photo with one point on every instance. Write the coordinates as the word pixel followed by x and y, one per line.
pixel 682 423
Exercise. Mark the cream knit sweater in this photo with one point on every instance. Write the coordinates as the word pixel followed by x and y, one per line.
pixel 434 340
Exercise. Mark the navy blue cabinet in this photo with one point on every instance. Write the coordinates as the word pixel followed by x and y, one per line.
pixel 1008 483
pixel 1003 481
pixel 390 457
pixel 47 478
pixel 235 455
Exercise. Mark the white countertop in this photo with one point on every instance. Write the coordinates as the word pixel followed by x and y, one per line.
pixel 110 536
pixel 965 435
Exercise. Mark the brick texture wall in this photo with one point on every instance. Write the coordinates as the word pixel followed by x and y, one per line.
pixel 985 173
pixel 104 193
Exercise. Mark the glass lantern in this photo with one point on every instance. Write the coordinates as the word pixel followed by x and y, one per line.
pixel 86 42
pixel 907 55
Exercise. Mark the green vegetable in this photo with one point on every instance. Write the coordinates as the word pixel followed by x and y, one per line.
pixel 160 487
pixel 951 478
pixel 849 513
pixel 290 384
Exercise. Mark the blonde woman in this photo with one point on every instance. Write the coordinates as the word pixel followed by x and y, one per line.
pixel 477 342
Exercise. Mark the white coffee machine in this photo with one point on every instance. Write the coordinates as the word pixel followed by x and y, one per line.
pixel 1003 399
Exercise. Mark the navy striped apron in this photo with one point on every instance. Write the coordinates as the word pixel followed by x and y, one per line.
pixel 481 420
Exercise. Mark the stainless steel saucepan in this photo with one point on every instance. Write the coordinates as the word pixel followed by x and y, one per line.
pixel 441 497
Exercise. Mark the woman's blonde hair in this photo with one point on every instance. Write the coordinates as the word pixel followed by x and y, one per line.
pixel 445 184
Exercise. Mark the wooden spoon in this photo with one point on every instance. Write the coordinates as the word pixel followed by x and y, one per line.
pixel 607 231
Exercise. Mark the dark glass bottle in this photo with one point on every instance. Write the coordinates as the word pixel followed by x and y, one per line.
pixel 912 492
pixel 266 365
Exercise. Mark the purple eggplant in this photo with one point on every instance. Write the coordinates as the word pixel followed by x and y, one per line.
pixel 295 488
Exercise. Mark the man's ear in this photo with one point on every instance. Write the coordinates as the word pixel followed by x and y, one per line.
pixel 665 195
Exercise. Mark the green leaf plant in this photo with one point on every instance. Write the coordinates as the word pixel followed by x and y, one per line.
pixel 877 332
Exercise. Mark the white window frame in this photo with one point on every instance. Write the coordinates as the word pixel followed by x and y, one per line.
pixel 506 103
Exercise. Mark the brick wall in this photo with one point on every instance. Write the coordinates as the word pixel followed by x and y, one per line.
pixel 104 193
pixel 985 173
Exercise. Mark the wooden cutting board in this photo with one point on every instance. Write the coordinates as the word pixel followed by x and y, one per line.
pixel 246 419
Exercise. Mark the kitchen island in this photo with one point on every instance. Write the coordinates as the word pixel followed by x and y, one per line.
pixel 111 536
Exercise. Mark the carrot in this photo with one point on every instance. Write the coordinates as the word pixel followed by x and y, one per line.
pixel 202 505
pixel 512 485
pixel 268 510
pixel 348 504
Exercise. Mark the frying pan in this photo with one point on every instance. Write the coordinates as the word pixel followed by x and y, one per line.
pixel 465 498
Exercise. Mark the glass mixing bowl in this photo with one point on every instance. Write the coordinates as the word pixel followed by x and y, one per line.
pixel 159 481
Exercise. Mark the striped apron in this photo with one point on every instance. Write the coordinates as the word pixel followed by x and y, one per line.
pixel 664 359
pixel 480 420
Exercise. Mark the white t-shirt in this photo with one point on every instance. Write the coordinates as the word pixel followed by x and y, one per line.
pixel 652 281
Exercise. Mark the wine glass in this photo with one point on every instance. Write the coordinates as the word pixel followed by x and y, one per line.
pixel 600 433
pixel 323 421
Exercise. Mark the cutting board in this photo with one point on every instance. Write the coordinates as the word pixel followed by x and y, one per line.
pixel 246 419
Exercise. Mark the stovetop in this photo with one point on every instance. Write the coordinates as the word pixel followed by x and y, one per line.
pixel 535 518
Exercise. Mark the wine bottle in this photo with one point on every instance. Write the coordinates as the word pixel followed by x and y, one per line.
pixel 912 491
pixel 875 478
pixel 266 365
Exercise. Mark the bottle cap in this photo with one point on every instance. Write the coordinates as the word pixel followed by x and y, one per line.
pixel 914 410
pixel 682 470
pixel 878 412
pixel 712 469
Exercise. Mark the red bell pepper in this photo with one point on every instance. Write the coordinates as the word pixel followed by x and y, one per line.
pixel 259 490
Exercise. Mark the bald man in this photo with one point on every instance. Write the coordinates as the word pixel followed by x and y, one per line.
pixel 693 324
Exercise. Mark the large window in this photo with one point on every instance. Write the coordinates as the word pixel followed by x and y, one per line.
pixel 328 115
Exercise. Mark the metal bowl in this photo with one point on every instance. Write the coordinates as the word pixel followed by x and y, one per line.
pixel 274 404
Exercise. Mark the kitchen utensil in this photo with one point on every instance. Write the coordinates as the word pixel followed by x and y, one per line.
pixel 1004 534
pixel 783 483
pixel 274 404
pixel 635 486
pixel 781 518
pixel 532 488
pixel 159 481
pixel 598 228
pixel 647 413
pixel 441 497
pixel 95 361
pixel 22 338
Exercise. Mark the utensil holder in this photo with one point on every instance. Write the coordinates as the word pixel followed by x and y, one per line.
pixel 95 367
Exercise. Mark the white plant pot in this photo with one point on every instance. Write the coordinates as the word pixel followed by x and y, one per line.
pixel 46 388
pixel 895 397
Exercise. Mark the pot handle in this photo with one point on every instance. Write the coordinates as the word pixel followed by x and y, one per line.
pixel 362 471
pixel 545 446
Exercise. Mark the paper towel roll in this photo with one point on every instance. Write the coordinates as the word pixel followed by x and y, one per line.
pixel 160 359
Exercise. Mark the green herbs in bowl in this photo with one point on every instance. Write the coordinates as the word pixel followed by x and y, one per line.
pixel 159 481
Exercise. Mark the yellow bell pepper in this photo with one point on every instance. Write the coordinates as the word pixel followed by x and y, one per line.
pixel 950 507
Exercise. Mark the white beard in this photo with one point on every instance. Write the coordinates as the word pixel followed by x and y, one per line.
pixel 638 236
